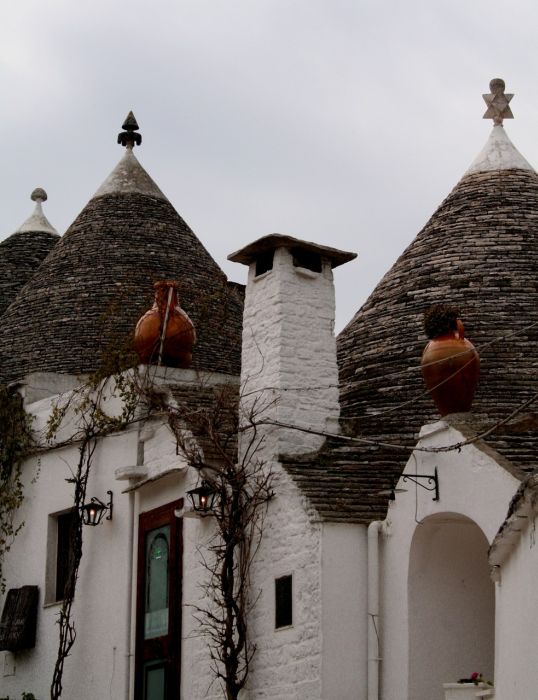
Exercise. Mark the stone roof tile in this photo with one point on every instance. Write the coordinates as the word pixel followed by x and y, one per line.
pixel 98 280
pixel 479 251
pixel 23 251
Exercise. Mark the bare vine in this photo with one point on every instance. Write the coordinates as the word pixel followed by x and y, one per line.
pixel 91 423
pixel 67 631
pixel 243 487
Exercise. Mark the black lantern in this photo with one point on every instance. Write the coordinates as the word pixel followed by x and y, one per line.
pixel 203 498
pixel 92 512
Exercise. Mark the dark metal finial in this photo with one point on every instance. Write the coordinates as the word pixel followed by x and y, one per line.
pixel 497 102
pixel 128 138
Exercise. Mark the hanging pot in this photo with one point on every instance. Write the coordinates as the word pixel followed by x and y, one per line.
pixel 451 367
pixel 165 334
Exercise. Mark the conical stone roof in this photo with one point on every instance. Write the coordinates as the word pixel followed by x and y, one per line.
pixel 479 251
pixel 89 293
pixel 23 251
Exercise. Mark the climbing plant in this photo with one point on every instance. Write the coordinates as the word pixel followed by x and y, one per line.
pixel 84 408
pixel 16 443
pixel 243 485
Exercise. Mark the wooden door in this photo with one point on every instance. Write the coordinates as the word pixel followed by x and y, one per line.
pixel 158 624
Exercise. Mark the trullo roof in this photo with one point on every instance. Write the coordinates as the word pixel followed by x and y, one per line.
pixel 479 251
pixel 88 294
pixel 23 251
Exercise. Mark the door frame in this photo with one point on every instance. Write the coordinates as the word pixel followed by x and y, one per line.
pixel 168 646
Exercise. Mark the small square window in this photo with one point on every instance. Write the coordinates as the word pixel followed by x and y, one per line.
pixel 283 602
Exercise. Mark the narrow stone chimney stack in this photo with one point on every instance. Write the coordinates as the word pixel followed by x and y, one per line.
pixel 289 373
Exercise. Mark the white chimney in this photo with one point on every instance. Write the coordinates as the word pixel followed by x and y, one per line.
pixel 288 371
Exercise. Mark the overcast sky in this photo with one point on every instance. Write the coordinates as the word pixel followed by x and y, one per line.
pixel 345 122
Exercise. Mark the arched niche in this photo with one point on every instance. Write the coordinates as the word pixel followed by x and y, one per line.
pixel 451 605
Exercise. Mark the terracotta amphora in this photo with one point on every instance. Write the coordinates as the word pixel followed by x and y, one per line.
pixel 451 367
pixel 173 348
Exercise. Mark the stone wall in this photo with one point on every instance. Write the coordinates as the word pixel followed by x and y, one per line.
pixel 287 665
pixel 289 370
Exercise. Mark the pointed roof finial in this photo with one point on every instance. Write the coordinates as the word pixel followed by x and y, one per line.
pixel 497 103
pixel 128 138
pixel 39 195
pixel 37 221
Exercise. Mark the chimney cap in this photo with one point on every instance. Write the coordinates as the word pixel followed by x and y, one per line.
pixel 249 253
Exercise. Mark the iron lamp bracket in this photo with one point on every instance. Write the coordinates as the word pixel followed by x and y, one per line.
pixel 432 482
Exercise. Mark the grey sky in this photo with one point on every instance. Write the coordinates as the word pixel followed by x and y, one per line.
pixel 343 122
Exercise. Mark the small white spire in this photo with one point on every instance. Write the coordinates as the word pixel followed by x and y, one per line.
pixel 499 153
pixel 129 176
pixel 37 221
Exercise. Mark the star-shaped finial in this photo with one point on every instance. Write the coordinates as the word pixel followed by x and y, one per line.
pixel 497 103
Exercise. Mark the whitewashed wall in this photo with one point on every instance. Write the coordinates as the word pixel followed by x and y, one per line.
pixel 289 350
pixel 287 665
pixel 451 605
pixel 517 604
pixel 344 611
pixel 472 486
pixel 101 663
pixel 100 654
pixel 289 373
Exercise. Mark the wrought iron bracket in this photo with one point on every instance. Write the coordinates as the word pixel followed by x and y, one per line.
pixel 432 482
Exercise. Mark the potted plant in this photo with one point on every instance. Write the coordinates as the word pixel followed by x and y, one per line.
pixel 476 686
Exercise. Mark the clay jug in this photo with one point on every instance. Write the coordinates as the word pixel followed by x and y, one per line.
pixel 173 348
pixel 451 367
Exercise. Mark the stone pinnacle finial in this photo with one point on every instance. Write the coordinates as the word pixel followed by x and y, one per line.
pixel 497 103
pixel 37 221
pixel 128 138
pixel 39 195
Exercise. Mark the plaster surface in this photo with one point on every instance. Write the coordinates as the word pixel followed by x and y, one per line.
pixel 289 370
pixel 37 221
pixel 129 176
pixel 499 153
pixel 106 592
pixel 473 487
pixel 288 661
pixel 344 611
pixel 517 608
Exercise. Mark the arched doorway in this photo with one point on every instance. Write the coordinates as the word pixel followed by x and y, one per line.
pixel 451 605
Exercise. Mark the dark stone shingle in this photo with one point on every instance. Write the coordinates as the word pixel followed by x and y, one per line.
pixel 98 280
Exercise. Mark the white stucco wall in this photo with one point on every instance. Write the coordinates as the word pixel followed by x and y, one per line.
pixel 344 611
pixel 451 605
pixel 517 607
pixel 472 485
pixel 100 652
pixel 289 350
pixel 102 658
pixel 287 664
pixel 289 374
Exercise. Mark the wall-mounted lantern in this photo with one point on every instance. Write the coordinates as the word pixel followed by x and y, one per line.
pixel 391 491
pixel 203 498
pixel 93 512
